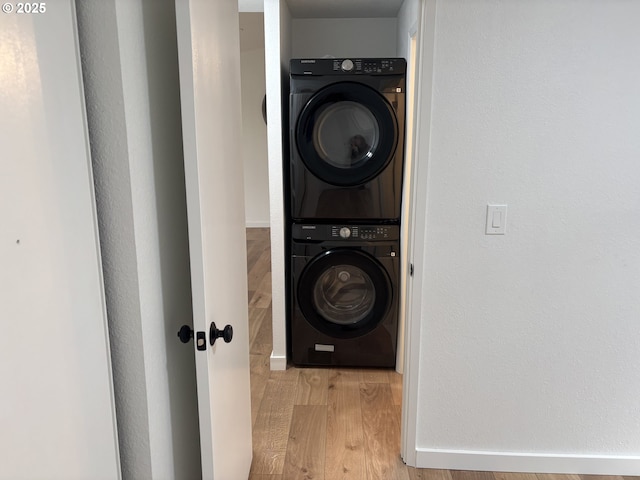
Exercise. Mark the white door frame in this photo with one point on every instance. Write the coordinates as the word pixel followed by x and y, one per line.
pixel 421 147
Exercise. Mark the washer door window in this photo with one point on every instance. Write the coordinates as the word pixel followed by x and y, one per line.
pixel 347 134
pixel 344 293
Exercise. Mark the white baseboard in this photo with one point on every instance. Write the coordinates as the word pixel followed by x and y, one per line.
pixel 278 362
pixel 266 224
pixel 527 462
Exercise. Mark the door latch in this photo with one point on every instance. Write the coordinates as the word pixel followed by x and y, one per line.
pixel 186 334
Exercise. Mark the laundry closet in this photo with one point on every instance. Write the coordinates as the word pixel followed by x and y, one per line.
pixel 330 30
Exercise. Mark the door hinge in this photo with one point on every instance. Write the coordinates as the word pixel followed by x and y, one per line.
pixel 411 269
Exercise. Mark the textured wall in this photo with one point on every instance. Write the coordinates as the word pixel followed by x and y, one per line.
pixel 130 71
pixel 97 28
pixel 530 340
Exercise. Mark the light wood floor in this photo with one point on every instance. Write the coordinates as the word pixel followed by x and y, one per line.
pixel 330 423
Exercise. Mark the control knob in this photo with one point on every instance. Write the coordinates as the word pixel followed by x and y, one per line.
pixel 345 232
pixel 347 65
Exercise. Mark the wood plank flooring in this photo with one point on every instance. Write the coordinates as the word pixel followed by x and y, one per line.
pixel 329 423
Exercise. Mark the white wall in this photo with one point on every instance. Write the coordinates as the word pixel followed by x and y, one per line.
pixel 130 71
pixel 254 130
pixel 251 6
pixel 343 37
pixel 529 341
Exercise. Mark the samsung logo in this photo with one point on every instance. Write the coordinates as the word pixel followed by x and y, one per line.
pixel 308 227
pixel 307 61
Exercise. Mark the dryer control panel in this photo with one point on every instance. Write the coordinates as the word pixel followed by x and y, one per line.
pixel 340 232
pixel 348 66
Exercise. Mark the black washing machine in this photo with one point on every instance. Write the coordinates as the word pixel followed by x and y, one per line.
pixel 345 282
pixel 346 138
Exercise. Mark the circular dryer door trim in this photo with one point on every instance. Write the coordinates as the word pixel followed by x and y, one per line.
pixel 347 133
pixel 344 293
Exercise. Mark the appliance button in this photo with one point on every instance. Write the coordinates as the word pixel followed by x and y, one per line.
pixel 345 232
pixel 347 65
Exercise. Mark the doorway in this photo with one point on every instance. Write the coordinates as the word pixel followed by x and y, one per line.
pixel 303 420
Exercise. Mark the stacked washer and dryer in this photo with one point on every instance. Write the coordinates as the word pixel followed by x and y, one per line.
pixel 345 189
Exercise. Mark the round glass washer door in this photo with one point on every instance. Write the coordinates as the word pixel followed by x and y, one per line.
pixel 344 293
pixel 346 134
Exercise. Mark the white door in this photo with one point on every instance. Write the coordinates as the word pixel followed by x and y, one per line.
pixel 57 418
pixel 209 63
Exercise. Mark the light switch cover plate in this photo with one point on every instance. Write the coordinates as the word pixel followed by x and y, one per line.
pixel 496 220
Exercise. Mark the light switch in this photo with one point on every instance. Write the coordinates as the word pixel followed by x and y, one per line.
pixel 496 220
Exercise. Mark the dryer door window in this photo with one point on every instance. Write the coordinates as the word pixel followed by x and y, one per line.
pixel 347 134
pixel 344 293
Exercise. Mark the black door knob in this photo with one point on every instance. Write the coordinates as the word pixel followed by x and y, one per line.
pixel 185 333
pixel 214 333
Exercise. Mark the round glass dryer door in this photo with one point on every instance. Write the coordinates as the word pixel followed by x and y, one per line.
pixel 344 293
pixel 347 134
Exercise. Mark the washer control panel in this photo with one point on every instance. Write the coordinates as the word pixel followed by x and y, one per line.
pixel 382 232
pixel 348 233
pixel 348 66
